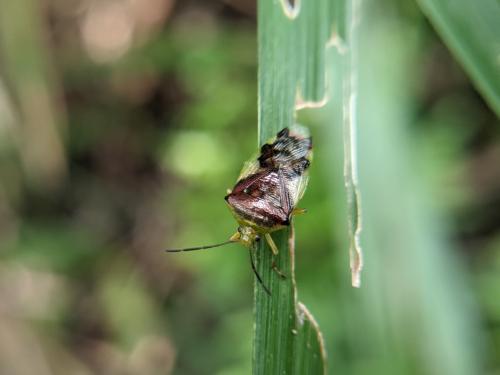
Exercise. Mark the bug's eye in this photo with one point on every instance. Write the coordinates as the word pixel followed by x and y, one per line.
pixel 257 239
pixel 245 191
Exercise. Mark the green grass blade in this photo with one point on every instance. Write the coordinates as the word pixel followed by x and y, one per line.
pixel 348 51
pixel 471 29
pixel 414 313
pixel 416 289
pixel 292 44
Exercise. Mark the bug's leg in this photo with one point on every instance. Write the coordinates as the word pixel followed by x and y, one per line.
pixel 271 243
pixel 254 269
pixel 235 237
pixel 298 211
pixel 275 252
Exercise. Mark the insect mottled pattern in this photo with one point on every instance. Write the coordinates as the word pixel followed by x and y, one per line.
pixel 268 189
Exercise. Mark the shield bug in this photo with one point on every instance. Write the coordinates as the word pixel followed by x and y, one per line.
pixel 268 189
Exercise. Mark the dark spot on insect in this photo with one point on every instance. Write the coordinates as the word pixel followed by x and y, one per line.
pixel 300 166
pixel 265 148
pixel 283 133
pixel 257 239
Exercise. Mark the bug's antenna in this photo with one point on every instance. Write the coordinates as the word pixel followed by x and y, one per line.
pixel 198 247
pixel 256 273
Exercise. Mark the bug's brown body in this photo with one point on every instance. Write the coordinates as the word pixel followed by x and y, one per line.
pixel 265 196
pixel 259 199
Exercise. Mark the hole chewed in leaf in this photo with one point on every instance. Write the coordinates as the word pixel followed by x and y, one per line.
pixel 291 8
pixel 300 103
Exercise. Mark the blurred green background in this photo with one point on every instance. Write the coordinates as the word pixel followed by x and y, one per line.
pixel 122 124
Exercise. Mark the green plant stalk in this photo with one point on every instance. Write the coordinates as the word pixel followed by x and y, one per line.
pixel 287 339
pixel 292 44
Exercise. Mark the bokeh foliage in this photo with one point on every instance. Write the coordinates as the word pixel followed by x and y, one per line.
pixel 154 136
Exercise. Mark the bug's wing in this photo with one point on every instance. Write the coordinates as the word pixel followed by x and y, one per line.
pixel 289 146
pixel 295 185
pixel 286 158
pixel 298 189
pixel 301 165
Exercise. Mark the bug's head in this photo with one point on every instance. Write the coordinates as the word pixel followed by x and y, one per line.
pixel 245 236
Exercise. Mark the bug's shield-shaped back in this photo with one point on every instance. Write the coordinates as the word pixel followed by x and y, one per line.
pixel 270 186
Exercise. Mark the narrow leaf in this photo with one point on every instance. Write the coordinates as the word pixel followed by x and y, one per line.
pixel 350 101
pixel 292 44
pixel 471 29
